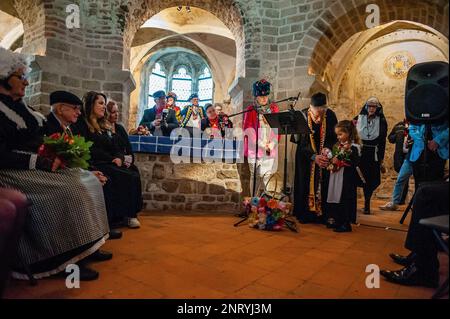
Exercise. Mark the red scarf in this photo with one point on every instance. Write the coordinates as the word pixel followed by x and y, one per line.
pixel 214 123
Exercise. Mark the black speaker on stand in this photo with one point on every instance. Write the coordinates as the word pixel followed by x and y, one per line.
pixel 426 102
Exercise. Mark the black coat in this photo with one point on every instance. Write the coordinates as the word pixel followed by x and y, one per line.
pixel 53 125
pixel 371 169
pixel 106 146
pixel 150 116
pixel 345 211
pixel 303 160
pixel 14 138
pixel 397 137
pixel 123 140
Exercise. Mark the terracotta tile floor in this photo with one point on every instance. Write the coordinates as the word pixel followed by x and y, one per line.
pixel 204 256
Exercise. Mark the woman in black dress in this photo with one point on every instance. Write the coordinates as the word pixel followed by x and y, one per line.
pixel 124 144
pixel 109 158
pixel 372 130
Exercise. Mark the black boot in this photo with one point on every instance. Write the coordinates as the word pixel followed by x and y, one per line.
pixel 345 228
pixel 367 207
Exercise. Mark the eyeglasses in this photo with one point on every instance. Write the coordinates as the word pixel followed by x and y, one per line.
pixel 21 77
pixel 73 107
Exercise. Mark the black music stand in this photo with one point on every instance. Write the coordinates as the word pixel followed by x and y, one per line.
pixel 288 123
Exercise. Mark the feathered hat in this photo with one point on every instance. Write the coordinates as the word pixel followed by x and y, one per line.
pixel 172 95
pixel 261 88
pixel 11 61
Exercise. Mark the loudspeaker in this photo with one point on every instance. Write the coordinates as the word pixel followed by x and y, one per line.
pixel 426 93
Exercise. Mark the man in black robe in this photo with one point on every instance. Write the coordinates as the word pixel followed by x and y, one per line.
pixel 311 176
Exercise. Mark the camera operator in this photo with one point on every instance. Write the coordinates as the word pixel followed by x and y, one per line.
pixel 159 120
pixel 429 151
pixel 400 137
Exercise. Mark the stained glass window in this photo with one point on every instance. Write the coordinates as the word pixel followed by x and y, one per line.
pixel 182 86
pixel 205 87
pixel 157 82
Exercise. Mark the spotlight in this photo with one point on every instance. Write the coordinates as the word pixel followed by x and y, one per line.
pixel 180 8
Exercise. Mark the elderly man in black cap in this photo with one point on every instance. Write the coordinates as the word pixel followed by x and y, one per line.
pixel 311 176
pixel 65 110
pixel 159 119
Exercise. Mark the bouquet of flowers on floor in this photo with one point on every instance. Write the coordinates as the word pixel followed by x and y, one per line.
pixel 73 151
pixel 140 130
pixel 339 157
pixel 266 214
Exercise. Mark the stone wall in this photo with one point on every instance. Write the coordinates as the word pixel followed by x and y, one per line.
pixel 188 187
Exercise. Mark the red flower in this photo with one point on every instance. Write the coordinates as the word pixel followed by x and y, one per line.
pixel 262 202
pixel 55 136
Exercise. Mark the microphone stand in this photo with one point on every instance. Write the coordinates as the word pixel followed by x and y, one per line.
pixel 293 101
pixel 244 215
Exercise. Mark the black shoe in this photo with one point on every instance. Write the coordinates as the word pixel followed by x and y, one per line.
pixel 330 223
pixel 411 276
pixel 99 255
pixel 403 260
pixel 346 228
pixel 88 274
pixel 115 234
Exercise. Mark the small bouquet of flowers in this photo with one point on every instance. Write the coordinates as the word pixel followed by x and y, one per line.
pixel 266 214
pixel 73 151
pixel 140 130
pixel 339 157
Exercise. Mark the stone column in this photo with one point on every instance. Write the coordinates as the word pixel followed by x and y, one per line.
pixel 75 59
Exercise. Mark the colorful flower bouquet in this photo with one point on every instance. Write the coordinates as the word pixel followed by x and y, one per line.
pixel 73 151
pixel 140 130
pixel 339 157
pixel 266 214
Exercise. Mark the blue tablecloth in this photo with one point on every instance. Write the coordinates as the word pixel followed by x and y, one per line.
pixel 232 149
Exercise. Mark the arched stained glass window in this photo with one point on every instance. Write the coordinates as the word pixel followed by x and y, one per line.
pixel 157 82
pixel 182 86
pixel 205 87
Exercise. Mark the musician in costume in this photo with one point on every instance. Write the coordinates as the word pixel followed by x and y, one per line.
pixel 267 156
pixel 311 175
pixel 67 220
pixel 171 101
pixel 372 129
pixel 193 114
pixel 215 120
pixel 159 120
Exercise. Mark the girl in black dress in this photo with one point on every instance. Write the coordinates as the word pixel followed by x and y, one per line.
pixel 372 129
pixel 108 157
pixel 344 177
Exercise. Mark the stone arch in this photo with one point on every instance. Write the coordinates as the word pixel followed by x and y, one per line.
pixel 228 11
pixel 344 19
pixel 11 31
pixel 184 43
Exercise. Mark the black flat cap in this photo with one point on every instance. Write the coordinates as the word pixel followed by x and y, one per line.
pixel 319 99
pixel 64 97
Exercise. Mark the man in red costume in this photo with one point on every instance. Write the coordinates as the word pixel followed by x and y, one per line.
pixel 267 156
